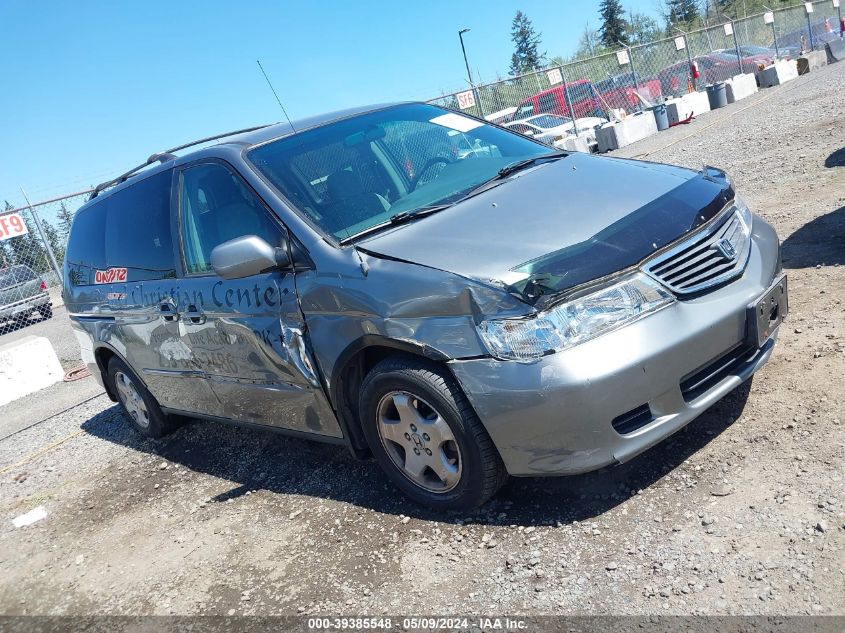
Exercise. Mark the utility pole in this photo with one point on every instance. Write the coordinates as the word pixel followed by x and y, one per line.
pixel 469 72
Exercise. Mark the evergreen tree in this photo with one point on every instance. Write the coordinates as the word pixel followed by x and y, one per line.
pixel 526 40
pixel 614 28
pixel 643 29
pixel 683 13
pixel 65 218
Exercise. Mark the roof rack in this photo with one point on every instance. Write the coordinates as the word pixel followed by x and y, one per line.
pixel 167 155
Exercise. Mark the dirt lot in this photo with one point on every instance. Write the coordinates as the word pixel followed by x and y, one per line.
pixel 741 512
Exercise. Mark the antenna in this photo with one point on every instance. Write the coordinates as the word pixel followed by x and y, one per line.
pixel 275 94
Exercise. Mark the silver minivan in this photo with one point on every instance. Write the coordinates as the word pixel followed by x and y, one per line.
pixel 362 278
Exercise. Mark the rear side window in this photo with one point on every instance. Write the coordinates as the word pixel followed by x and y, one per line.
pixel 86 249
pixel 15 275
pixel 138 235
pixel 129 229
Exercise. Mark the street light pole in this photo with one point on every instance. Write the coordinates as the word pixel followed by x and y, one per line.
pixel 469 72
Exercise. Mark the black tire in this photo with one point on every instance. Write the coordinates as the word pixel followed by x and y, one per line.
pixel 46 312
pixel 482 472
pixel 157 423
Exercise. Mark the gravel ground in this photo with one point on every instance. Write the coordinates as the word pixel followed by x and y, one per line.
pixel 741 512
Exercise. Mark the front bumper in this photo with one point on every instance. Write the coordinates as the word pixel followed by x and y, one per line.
pixel 555 416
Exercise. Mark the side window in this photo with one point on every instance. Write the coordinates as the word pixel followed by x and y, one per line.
pixel 138 236
pixel 526 109
pixel 216 206
pixel 86 249
pixel 548 102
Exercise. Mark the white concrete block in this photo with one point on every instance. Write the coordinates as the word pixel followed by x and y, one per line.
pixel 778 73
pixel 694 103
pixel 26 366
pixel 622 133
pixel 812 60
pixel 577 144
pixel 741 87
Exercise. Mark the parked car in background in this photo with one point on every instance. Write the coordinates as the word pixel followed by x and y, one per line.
pixel 500 116
pixel 22 292
pixel 712 67
pixel 517 312
pixel 554 129
pixel 556 100
pixel 621 91
pixel 749 62
pixel 786 52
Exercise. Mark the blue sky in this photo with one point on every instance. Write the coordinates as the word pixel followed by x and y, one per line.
pixel 92 88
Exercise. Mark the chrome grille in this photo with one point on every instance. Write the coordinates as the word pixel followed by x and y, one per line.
pixel 710 257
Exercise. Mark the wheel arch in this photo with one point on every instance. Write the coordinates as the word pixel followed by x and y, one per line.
pixel 103 354
pixel 354 363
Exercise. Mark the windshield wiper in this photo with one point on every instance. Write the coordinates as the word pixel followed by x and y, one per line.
pixel 519 165
pixel 509 170
pixel 402 217
pixel 407 216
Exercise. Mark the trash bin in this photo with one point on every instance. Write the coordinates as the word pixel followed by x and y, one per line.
pixel 717 94
pixel 661 116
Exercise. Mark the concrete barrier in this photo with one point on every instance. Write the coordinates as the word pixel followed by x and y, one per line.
pixel 835 51
pixel 694 103
pixel 618 134
pixel 810 61
pixel 741 87
pixel 577 144
pixel 26 366
pixel 778 73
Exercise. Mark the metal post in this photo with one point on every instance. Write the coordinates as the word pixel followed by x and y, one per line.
pixel 568 100
pixel 636 79
pixel 841 23
pixel 736 44
pixel 40 228
pixel 774 32
pixel 810 29
pixel 469 73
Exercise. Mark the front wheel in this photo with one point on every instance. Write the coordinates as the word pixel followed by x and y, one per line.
pixel 426 436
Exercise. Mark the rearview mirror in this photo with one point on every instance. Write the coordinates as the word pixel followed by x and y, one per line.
pixel 246 256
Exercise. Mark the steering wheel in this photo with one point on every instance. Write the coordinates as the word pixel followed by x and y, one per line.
pixel 431 162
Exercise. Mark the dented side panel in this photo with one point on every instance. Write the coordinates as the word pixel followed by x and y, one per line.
pixel 429 309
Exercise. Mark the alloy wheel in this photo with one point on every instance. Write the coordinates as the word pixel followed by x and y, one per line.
pixel 419 441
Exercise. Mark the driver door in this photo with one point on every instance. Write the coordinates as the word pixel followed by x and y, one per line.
pixel 246 335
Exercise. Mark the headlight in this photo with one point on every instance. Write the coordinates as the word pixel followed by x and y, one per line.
pixel 744 214
pixel 581 319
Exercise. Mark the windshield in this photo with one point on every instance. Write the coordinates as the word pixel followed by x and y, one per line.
pixel 16 275
pixel 358 173
pixel 549 120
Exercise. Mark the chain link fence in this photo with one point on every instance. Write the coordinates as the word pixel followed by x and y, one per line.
pixel 633 78
pixel 33 240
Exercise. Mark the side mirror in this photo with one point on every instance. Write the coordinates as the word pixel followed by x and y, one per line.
pixel 246 256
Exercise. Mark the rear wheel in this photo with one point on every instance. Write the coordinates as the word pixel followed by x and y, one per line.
pixel 426 436
pixel 138 404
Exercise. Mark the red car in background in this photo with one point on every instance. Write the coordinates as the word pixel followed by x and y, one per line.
pixel 621 91
pixel 713 67
pixel 555 101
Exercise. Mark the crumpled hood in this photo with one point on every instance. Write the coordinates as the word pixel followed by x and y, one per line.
pixel 584 207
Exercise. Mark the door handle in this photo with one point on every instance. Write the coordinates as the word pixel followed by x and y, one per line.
pixel 194 315
pixel 168 311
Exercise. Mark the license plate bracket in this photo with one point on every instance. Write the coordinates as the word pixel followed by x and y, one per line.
pixel 767 312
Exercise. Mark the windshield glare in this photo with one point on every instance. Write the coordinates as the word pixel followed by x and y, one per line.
pixel 357 173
